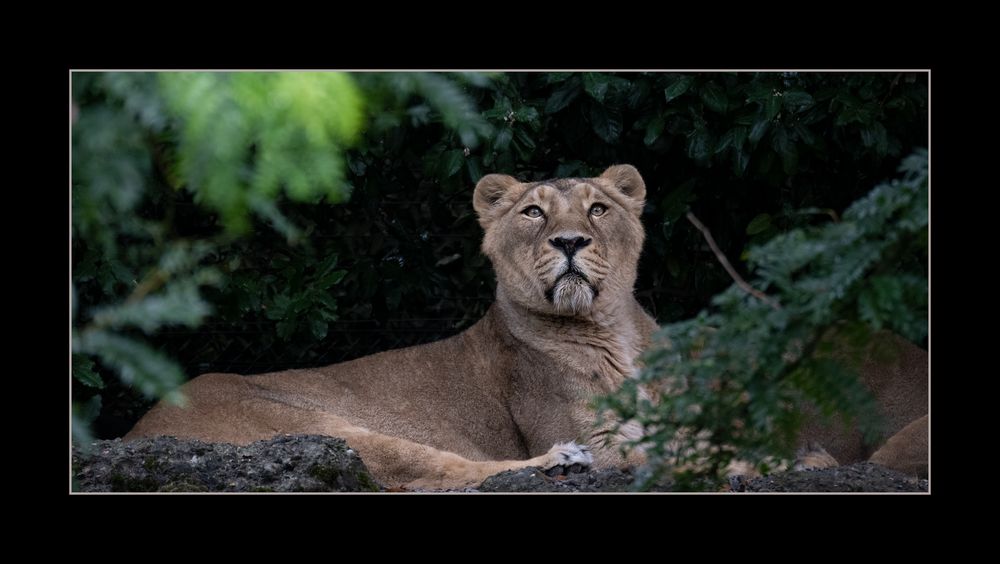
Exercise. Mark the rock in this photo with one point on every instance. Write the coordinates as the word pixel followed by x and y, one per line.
pixel 302 463
pixel 860 477
pixel 534 480
pixel 312 463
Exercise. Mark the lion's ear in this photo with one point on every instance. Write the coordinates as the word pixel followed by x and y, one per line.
pixel 629 182
pixel 492 193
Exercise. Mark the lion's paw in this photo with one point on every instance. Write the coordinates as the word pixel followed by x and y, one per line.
pixel 568 457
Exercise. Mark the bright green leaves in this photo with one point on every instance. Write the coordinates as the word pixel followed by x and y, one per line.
pixel 246 136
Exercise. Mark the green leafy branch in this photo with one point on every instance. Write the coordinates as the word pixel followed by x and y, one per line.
pixel 731 383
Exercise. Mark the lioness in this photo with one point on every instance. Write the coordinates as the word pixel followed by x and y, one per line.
pixel 509 392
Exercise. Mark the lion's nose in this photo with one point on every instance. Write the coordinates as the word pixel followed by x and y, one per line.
pixel 569 245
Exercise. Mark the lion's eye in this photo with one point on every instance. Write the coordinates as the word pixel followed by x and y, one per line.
pixel 598 209
pixel 533 211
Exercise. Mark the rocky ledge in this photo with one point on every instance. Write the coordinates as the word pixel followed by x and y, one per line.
pixel 165 464
pixel 307 463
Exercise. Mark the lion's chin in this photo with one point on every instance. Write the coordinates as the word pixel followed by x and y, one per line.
pixel 572 295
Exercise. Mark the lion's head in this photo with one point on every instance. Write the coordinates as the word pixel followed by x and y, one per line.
pixel 568 246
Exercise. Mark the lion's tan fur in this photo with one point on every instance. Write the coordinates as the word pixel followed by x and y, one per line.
pixel 506 393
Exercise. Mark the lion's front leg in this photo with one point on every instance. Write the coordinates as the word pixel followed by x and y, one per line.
pixel 433 469
pixel 613 445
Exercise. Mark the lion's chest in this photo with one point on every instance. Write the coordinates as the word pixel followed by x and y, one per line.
pixel 551 391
